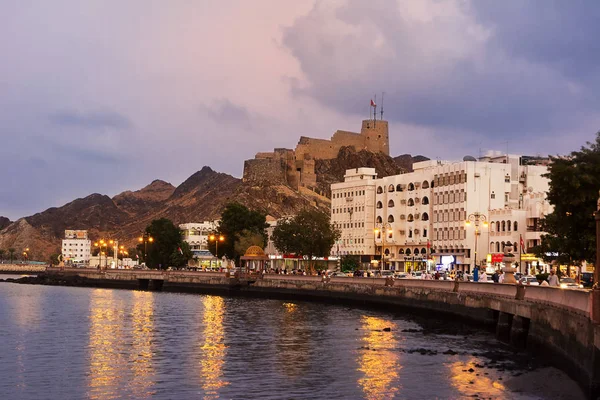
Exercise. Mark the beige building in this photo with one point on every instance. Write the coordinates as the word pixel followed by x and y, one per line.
pixel 419 217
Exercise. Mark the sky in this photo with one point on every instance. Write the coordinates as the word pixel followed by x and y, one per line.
pixel 102 96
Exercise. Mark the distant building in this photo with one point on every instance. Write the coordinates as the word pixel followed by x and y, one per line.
pixel 417 220
pixel 76 247
pixel 196 234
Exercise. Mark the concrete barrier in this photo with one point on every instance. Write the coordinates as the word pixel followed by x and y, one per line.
pixel 574 300
pixel 22 268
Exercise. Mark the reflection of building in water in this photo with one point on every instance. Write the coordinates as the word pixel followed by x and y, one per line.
pixel 293 343
pixel 378 360
pixel 140 356
pixel 469 384
pixel 107 363
pixel 213 348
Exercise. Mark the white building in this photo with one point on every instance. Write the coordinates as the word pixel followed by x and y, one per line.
pixel 76 247
pixel 196 234
pixel 417 220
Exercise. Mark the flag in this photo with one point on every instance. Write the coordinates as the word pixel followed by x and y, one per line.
pixel 522 244
pixel 428 244
pixel 137 256
pixel 373 103
pixel 180 251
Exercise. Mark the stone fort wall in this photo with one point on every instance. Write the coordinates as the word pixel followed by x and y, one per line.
pixel 296 168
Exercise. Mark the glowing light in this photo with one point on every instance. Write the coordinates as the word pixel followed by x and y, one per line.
pixel 213 349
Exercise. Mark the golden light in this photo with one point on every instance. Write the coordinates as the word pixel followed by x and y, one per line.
pixel 96 244
pixel 390 230
pixel 140 239
pixel 151 239
pixel 376 230
pixel 467 223
pixel 111 241
pixel 27 249
pixel 485 223
pixel 221 238
pixel 102 241
pixel 121 247
pixel 212 237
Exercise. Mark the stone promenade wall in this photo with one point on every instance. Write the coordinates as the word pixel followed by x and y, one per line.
pixel 22 268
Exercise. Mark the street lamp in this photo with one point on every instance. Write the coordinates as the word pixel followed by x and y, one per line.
pixel 216 238
pixel 146 238
pixel 26 254
pixel 386 229
pixel 101 243
pixel 476 218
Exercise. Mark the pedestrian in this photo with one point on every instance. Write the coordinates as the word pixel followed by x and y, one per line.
pixel 501 278
pixel 483 277
pixel 553 279
pixel 437 275
pixel 496 277
pixel 476 274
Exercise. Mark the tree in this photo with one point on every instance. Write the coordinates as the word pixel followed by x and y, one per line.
pixel 167 241
pixel 54 259
pixel 247 239
pixel 11 251
pixel 237 221
pixel 2 255
pixel 308 235
pixel 349 263
pixel 574 190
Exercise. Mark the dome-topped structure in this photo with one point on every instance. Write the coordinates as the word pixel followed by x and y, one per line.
pixel 254 251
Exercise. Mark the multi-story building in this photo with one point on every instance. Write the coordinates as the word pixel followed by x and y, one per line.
pixel 352 211
pixel 197 234
pixel 419 217
pixel 76 247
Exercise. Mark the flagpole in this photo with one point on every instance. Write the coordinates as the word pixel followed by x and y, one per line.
pixel 520 251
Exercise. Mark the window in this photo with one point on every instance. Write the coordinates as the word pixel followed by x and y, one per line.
pixel 503 226
pixel 411 186
pixel 425 217
pixel 391 203
pixel 390 218
pixel 425 200
pixel 493 195
pixel 424 232
pixel 398 188
pixel 379 220
pixel 507 178
pixel 425 185
pixel 409 235
pixel 379 204
pixel 391 188
pixel 515 226
pixel 508 225
pixel 411 202
pixel 410 218
pixel 379 190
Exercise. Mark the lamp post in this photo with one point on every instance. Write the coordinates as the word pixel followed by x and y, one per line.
pixel 476 218
pixel 146 238
pixel 26 254
pixel 216 238
pixel 386 229
pixel 101 243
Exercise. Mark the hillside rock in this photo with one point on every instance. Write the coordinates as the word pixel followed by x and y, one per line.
pixel 144 200
pixel 4 222
pixel 406 161
pixel 332 171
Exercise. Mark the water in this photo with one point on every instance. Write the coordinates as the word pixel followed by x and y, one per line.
pixel 82 343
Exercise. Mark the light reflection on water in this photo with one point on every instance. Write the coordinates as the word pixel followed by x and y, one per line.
pixel 73 343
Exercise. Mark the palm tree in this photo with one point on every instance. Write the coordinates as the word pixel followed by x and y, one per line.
pixel 12 253
pixel 1 255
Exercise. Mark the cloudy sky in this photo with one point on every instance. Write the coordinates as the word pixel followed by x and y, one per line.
pixel 106 95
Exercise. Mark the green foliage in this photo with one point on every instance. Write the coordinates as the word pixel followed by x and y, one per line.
pixel 54 259
pixel 240 226
pixel 574 189
pixel 309 234
pixel 163 252
pixel 11 251
pixel 350 263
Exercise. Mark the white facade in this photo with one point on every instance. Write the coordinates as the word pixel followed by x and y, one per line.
pixel 419 217
pixel 352 211
pixel 76 247
pixel 196 234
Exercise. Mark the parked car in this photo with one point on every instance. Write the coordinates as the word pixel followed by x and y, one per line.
pixel 401 275
pixel 529 280
pixel 387 274
pixel 569 283
pixel 340 274
pixel 417 275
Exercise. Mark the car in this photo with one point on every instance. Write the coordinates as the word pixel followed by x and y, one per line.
pixel 387 274
pixel 401 275
pixel 529 280
pixel 339 274
pixel 417 275
pixel 569 283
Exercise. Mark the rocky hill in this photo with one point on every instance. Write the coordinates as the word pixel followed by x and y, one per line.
pixel 199 198
pixel 406 161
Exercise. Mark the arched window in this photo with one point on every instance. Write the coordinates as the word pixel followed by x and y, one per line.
pixel 503 229
pixel 492 228
pixel 411 202
pixel 492 247
pixel 391 203
pixel 408 252
pixel 423 250
pixel 416 251
pixel 425 217
pixel 508 225
pixel 432 184
pixel 379 220
pixel 425 200
pixel 387 252
pixel 425 185
pixel 379 204
pixel 497 247
pixel 401 251
pixel 515 226
pixel 379 190
pixel 398 188
pixel 515 246
pixel 503 246
pixel 411 186
pixel 391 188
pixel 391 218
pixel 410 218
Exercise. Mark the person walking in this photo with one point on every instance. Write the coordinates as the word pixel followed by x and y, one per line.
pixel 553 279
pixel 476 274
